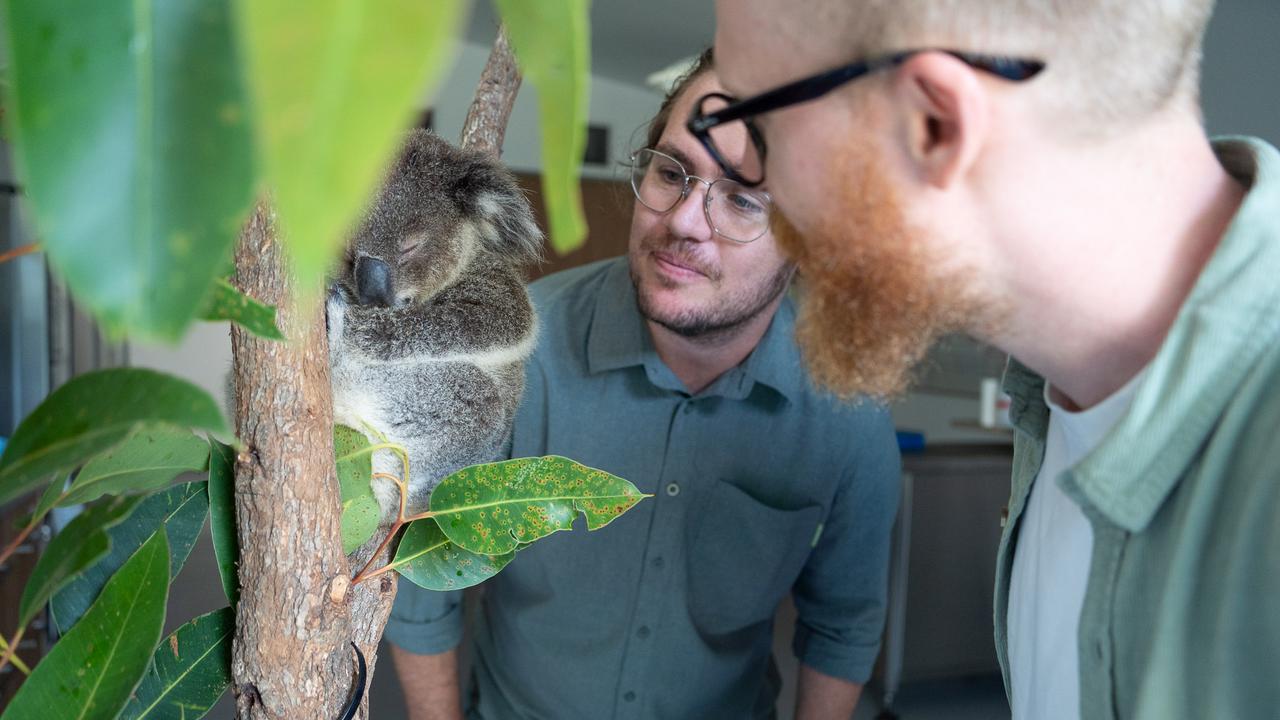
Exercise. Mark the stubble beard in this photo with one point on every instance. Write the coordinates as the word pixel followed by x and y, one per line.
pixel 709 323
pixel 872 303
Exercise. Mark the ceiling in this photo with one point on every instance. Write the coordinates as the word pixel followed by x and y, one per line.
pixel 630 39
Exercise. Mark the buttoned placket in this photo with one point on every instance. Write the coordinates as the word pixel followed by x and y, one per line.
pixel 664 543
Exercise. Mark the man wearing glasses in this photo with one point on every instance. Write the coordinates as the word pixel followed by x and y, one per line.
pixel 1037 174
pixel 675 368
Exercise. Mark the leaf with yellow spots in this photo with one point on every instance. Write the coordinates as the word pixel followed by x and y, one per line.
pixel 491 509
pixel 427 558
pixel 226 302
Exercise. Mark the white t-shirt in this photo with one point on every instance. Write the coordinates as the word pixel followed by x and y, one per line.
pixel 1051 567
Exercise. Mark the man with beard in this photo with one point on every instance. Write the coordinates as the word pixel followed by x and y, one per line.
pixel 1038 174
pixel 675 367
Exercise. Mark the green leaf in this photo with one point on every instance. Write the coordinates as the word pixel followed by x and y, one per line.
pixel 179 511
pixel 360 510
pixel 93 412
pixel 189 671
pixel 551 40
pixel 132 138
pixel 91 671
pixel 428 559
pixel 334 84
pixel 492 508
pixel 359 521
pixel 80 544
pixel 147 460
pixel 353 457
pixel 228 303
pixel 51 495
pixel 222 518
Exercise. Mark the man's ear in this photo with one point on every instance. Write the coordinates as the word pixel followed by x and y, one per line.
pixel 944 116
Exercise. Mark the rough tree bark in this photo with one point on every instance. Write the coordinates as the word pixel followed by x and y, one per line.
pixel 297 612
pixel 486 122
pixel 290 657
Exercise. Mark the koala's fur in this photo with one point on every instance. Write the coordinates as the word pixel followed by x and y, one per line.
pixel 438 364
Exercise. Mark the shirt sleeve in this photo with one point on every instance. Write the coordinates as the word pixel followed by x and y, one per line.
pixel 841 593
pixel 425 622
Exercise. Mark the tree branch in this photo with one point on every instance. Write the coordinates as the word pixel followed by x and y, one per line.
pixel 290 658
pixel 486 122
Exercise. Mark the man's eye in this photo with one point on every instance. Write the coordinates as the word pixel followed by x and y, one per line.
pixel 745 204
pixel 670 175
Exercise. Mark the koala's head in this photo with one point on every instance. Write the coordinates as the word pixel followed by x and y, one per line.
pixel 439 209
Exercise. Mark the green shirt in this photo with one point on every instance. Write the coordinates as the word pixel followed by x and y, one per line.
pixel 762 487
pixel 1181 617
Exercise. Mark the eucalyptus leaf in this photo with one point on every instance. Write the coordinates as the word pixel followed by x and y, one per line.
pixel 77 546
pixel 551 39
pixel 228 303
pixel 334 84
pixel 222 518
pixel 133 143
pixel 148 459
pixel 179 511
pixel 353 457
pixel 429 559
pixel 189 671
pixel 492 508
pixel 91 671
pixel 93 412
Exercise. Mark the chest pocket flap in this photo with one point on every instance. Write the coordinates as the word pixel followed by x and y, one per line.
pixel 744 558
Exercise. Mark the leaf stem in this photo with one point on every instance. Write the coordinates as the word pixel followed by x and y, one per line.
pixel 19 252
pixel 17 661
pixel 17 540
pixel 12 648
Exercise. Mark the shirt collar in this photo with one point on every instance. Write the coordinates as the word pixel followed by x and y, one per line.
pixel 619 338
pixel 1230 318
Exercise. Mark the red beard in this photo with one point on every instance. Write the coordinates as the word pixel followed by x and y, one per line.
pixel 871 302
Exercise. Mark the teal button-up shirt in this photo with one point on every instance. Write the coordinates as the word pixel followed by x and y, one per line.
pixel 762 487
pixel 1181 617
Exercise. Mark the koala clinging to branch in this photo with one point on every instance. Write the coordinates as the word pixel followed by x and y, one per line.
pixel 429 320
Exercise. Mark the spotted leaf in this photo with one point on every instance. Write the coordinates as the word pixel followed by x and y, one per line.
pixel 491 509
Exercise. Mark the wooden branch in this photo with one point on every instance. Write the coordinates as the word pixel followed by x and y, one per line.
pixel 291 657
pixel 486 122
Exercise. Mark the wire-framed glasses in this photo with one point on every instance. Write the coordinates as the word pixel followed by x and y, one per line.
pixel 733 210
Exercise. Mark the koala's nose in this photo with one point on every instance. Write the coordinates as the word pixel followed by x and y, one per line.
pixel 373 282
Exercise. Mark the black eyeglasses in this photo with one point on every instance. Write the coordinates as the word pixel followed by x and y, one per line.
pixel 704 125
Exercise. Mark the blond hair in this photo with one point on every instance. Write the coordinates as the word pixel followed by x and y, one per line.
pixel 1109 62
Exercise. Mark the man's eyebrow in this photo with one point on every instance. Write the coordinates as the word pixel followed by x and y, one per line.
pixel 681 157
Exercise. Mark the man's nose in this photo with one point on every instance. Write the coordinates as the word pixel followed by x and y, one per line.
pixel 688 220
pixel 373 282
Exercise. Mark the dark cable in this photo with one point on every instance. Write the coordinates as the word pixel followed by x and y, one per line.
pixel 358 695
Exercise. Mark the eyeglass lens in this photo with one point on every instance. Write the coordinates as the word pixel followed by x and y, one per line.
pixel 733 210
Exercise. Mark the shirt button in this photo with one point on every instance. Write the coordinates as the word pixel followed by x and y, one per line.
pixel 643 632
pixel 629 696
pixel 673 489
pixel 688 408
pixel 658 562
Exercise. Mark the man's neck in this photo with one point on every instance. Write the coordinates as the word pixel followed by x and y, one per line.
pixel 1128 237
pixel 699 361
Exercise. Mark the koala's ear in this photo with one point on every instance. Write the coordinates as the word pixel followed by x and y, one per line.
pixel 507 224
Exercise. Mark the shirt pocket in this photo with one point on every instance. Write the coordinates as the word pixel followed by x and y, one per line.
pixel 744 557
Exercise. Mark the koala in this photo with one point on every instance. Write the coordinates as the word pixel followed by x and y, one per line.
pixel 429 321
